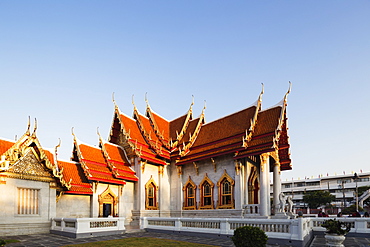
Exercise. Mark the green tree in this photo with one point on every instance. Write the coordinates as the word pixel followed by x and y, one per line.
pixel 351 209
pixel 315 199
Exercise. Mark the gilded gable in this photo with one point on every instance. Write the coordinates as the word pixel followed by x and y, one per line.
pixel 29 166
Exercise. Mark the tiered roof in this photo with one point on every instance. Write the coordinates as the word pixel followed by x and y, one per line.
pixel 249 132
pixel 74 173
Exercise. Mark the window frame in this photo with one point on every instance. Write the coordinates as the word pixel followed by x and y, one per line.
pixel 189 184
pixel 28 201
pixel 148 186
pixel 206 180
pixel 221 195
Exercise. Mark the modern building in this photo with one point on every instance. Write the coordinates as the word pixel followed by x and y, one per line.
pixel 149 166
pixel 344 188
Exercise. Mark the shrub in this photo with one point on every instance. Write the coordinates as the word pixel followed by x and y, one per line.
pixel 336 227
pixel 2 242
pixel 249 236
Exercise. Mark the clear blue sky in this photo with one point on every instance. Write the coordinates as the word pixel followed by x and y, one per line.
pixel 60 62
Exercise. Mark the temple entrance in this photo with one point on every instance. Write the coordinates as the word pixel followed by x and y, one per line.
pixel 253 186
pixel 107 209
pixel 108 203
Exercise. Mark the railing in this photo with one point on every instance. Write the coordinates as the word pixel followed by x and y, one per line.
pixel 87 225
pixel 358 225
pixel 251 209
pixel 293 229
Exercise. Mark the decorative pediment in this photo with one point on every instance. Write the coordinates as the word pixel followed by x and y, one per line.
pixel 29 166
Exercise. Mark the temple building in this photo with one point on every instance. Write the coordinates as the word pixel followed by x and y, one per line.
pixel 149 167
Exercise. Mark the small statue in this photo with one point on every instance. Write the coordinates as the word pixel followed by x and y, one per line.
pixel 282 200
pixel 290 204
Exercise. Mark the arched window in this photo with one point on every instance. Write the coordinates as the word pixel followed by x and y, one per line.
pixel 189 195
pixel 225 191
pixel 206 194
pixel 151 192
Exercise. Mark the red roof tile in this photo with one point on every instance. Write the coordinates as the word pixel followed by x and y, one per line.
pixel 118 162
pixel 5 145
pixel 95 164
pixel 73 172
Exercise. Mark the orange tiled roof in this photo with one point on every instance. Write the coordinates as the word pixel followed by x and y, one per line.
pixel 5 145
pixel 220 136
pixel 150 137
pixel 223 136
pixel 73 172
pixel 264 135
pixel 176 126
pixel 95 165
pixel 118 162
pixel 162 124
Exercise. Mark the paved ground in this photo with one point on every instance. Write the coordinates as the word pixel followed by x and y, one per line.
pixel 51 240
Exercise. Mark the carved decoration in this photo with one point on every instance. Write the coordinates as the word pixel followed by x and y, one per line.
pixel 143 163
pixel 184 127
pixel 179 170
pixel 253 121
pixel 237 167
pixel 214 165
pixel 108 197
pixel 192 137
pixel 29 165
pixel 196 168
pixel 27 160
pixel 160 170
pixel 264 157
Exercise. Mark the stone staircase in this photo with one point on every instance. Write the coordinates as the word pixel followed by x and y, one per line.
pixel 133 229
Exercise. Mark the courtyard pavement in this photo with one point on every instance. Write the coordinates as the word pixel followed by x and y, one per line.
pixel 51 240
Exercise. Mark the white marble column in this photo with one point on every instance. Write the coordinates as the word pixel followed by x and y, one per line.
pixel 94 203
pixel 238 195
pixel 276 185
pixel 264 184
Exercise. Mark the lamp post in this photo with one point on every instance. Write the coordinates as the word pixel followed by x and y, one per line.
pixel 355 177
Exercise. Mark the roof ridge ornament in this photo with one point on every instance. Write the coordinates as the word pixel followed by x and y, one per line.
pixel 73 133
pixel 114 101
pixel 253 121
pixel 56 154
pixel 34 129
pixel 288 92
pixel 146 100
pixel 100 138
pixel 259 103
pixel 28 126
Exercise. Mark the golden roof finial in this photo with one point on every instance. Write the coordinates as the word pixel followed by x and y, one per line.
pixel 97 131
pixel 287 93
pixel 73 133
pixel 114 101
pixel 290 88
pixel 56 149
pixel 28 126
pixel 35 128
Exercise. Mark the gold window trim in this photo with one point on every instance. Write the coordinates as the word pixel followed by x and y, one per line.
pixel 184 188
pixel 147 186
pixel 201 186
pixel 220 205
